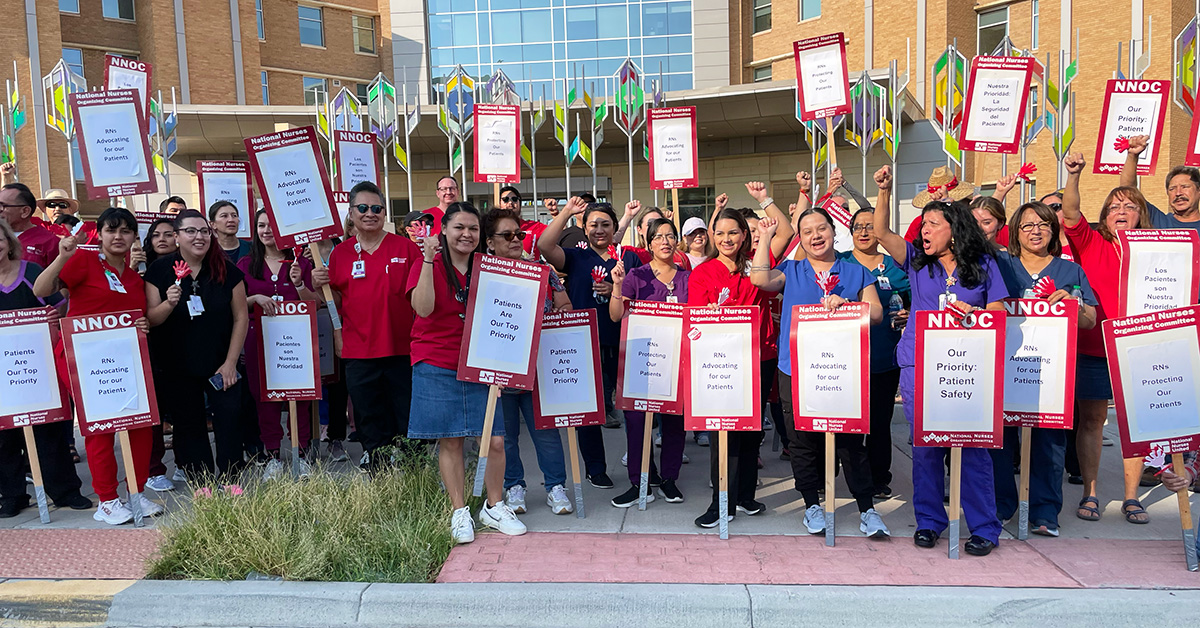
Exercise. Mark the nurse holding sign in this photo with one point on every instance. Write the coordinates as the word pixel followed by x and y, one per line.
pixel 824 368
pixel 290 362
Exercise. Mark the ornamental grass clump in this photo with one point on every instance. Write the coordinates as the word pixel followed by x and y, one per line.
pixel 341 527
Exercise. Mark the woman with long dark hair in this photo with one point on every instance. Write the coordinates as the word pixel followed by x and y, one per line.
pixel 443 408
pixel 199 328
pixel 954 263
pixel 160 240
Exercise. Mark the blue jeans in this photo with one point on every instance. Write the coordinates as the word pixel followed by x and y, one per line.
pixel 546 443
pixel 1047 453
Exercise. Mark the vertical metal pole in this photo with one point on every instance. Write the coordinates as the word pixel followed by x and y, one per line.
pixel 567 135
pixel 407 149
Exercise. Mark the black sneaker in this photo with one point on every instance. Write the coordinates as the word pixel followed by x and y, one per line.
pixel 671 492
pixel 1075 479
pixel 751 507
pixel 630 498
pixel 10 509
pixel 611 421
pixel 883 492
pixel 655 480
pixel 710 519
pixel 600 480
pixel 75 502
pixel 979 546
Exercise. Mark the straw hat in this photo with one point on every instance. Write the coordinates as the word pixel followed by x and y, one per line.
pixel 59 195
pixel 939 178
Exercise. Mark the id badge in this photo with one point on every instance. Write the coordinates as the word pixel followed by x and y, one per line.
pixel 672 299
pixel 114 283
pixel 884 282
pixel 195 306
pixel 358 270
pixel 945 299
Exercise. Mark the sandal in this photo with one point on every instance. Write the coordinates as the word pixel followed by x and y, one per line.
pixel 1131 514
pixel 1093 512
pixel 74 454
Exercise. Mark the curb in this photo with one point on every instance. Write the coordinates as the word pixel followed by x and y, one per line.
pixel 195 604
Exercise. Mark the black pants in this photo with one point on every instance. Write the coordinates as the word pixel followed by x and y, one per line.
pixel 1072 458
pixel 335 400
pixel 381 389
pixel 248 417
pixel 58 472
pixel 808 457
pixel 879 441
pixel 743 453
pixel 186 405
pixel 591 438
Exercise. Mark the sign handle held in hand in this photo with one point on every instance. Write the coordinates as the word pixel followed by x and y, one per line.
pixel 35 466
pixel 830 495
pixel 955 500
pixel 1023 485
pixel 644 485
pixel 674 209
pixel 485 439
pixel 573 448
pixel 293 424
pixel 832 145
pixel 319 263
pixel 1185 517
pixel 723 484
pixel 135 504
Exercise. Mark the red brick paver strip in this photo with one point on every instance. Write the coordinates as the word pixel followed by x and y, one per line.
pixel 94 554
pixel 1107 563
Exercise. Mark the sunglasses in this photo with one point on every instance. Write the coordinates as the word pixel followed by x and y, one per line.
pixel 510 199
pixel 363 207
pixel 57 205
pixel 510 235
pixel 1056 206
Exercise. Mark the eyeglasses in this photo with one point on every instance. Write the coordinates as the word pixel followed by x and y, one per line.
pixel 453 189
pixel 509 235
pixel 1056 206
pixel 863 228
pixel 192 232
pixel 363 207
pixel 7 206
pixel 669 237
pixel 57 205
pixel 1034 226
pixel 510 199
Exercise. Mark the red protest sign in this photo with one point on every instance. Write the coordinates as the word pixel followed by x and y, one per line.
pixel 29 390
pixel 649 358
pixel 1153 362
pixel 674 161
pixel 959 379
pixel 111 131
pixel 1159 270
pixel 287 342
pixel 109 366
pixel 821 77
pixel 1191 157
pixel 504 317
pixel 570 389
pixel 831 368
pixel 227 181
pixel 125 73
pixel 294 186
pixel 497 156
pixel 356 157
pixel 721 369
pixel 1131 108
pixel 1039 365
pixel 994 114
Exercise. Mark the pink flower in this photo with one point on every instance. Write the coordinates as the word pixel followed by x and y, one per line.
pixel 202 492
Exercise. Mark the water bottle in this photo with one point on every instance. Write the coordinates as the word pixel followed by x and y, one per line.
pixel 895 304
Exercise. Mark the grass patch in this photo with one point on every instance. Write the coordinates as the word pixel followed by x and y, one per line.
pixel 338 527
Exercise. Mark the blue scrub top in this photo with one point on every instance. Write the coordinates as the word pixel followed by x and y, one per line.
pixel 884 337
pixel 1066 274
pixel 801 289
pixel 578 267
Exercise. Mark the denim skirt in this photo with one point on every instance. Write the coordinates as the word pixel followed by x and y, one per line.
pixel 443 407
pixel 1091 378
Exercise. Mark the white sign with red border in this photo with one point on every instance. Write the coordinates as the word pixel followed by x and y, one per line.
pixel 125 73
pixel 291 362
pixel 649 358
pixel 674 160
pixel 831 371
pixel 959 379
pixel 822 77
pixel 570 389
pixel 1154 365
pixel 994 114
pixel 1133 107
pixel 29 390
pixel 1159 270
pixel 227 181
pixel 1039 364
pixel 504 319
pixel 721 369
pixel 112 127
pixel 109 365
pixel 294 186
pixel 497 155
pixel 356 157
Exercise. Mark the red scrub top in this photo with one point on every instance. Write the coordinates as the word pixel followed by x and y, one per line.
pixel 377 317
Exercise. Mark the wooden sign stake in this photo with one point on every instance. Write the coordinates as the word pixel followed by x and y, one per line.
pixel 723 483
pixel 316 427
pixel 832 144
pixel 674 208
pixel 573 446
pixel 955 498
pixel 135 504
pixel 293 427
pixel 485 439
pixel 496 195
pixel 35 466
pixel 644 486
pixel 830 494
pixel 1023 488
pixel 1185 517
pixel 319 263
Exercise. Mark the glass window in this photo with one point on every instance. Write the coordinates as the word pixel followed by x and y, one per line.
pixel 762 74
pixel 465 5
pixel 610 21
pixel 506 28
pixel 258 16
pixel 635 21
pixel 810 9
pixel 508 54
pixel 311 87
pixel 1034 105
pixel 654 19
pixel 68 6
pixel 312 30
pixel 539 71
pixel 464 30
pixel 1035 12
pixel 439 6
pixel 504 4
pixel 578 51
pixel 364 33
pixel 993 28
pixel 266 92
pixel 77 159
pixel 440 32
pixel 484 31
pixel 677 82
pixel 534 4
pixel 679 63
pixel 360 90
pixel 74 59
pixel 535 26
pixel 537 52
pixel 762 15
pixel 581 24
pixel 117 9
pixel 680 18
pixel 466 56
pixel 654 45
pixel 635 49
pixel 680 44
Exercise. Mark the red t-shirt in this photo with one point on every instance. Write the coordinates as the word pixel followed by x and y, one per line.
pixel 377 314
pixel 645 255
pixel 914 230
pixel 83 276
pixel 704 288
pixel 41 246
pixel 1102 265
pixel 533 230
pixel 437 214
pixel 439 335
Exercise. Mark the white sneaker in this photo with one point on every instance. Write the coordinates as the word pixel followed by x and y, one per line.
pixel 149 508
pixel 501 517
pixel 305 469
pixel 515 498
pixel 686 459
pixel 462 529
pixel 658 440
pixel 272 470
pixel 558 502
pixel 160 484
pixel 113 512
pixel 179 476
pixel 337 451
pixel 814 519
pixel 871 524
pixel 1106 441
pixel 625 459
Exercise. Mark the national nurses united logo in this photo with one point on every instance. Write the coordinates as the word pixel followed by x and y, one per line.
pixel 937 438
pixel 820 425
pixel 487 377
pixel 712 424
pixel 640 404
pixel 694 334
pixel 562 421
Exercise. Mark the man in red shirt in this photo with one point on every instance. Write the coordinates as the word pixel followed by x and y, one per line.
pixel 510 198
pixel 17 205
pixel 370 272
pixel 447 193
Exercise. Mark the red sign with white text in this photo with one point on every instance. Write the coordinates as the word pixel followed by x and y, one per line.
pixel 294 186
pixel 822 79
pixel 111 130
pixel 1131 107
pixel 996 100
pixel 570 390
pixel 504 317
pixel 674 160
pixel 497 155
pixel 831 368
pixel 959 379
pixel 1154 365
pixel 1159 270
pixel 649 358
pixel 29 391
pixel 109 366
pixel 1039 364
pixel 721 367
pixel 289 369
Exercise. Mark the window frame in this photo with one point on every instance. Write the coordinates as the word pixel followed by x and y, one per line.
pixel 1035 15
pixel 355 29
pixel 979 27
pixel 760 9
pixel 320 23
pixel 68 11
pixel 132 12
pixel 304 84
pixel 755 78
pixel 801 17
pixel 71 65
pixel 260 20
pixel 265 84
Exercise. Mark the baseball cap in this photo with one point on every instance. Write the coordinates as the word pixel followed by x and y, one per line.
pixel 414 216
pixel 693 224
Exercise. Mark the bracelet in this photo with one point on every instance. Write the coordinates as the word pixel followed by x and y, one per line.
pixel 427 261
pixel 766 201
pixel 804 193
pixel 763 267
